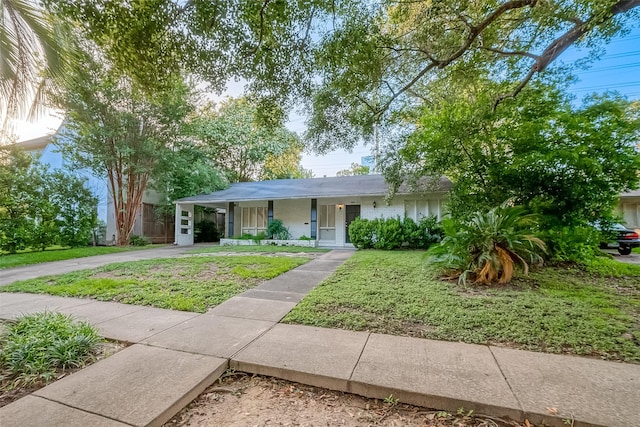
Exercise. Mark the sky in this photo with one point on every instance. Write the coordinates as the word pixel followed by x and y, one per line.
pixel 618 69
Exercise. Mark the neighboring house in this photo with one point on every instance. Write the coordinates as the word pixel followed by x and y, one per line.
pixel 317 208
pixel 148 224
pixel 629 208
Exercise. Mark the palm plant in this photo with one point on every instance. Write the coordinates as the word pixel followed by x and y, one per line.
pixel 32 49
pixel 489 246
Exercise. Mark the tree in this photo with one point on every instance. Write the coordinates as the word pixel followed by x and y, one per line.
pixel 14 198
pixel 538 150
pixel 39 207
pixel 186 171
pixel 120 132
pixel 241 145
pixel 33 49
pixel 356 169
pixel 286 165
pixel 379 61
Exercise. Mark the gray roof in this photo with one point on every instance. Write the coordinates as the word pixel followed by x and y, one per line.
pixel 342 186
pixel 634 193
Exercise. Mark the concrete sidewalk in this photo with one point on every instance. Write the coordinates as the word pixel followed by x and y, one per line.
pixel 176 355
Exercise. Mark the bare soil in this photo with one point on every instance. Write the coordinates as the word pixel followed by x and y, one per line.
pixel 11 391
pixel 240 400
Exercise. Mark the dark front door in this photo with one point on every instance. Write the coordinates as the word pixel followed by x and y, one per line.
pixel 352 212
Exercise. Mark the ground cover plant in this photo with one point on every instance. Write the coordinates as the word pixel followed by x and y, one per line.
pixel 56 254
pixel 36 348
pixel 592 310
pixel 189 284
pixel 256 248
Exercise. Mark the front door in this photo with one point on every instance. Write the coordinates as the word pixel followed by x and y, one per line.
pixel 352 212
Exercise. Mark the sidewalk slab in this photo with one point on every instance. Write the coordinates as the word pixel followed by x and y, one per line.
pixel 211 335
pixel 294 297
pixel 140 385
pixel 320 264
pixel 594 392
pixel 251 308
pixel 296 281
pixel 8 298
pixel 338 255
pixel 101 311
pixel 315 356
pixel 434 374
pixel 142 324
pixel 33 411
pixel 39 303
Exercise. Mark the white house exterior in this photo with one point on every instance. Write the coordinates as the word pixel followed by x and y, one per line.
pixel 629 209
pixel 316 208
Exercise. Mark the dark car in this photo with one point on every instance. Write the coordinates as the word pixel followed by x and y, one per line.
pixel 623 239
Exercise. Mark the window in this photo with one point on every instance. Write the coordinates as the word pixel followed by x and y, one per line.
pixel 254 220
pixel 417 209
pixel 327 222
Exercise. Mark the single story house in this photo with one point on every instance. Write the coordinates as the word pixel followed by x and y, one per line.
pixel 317 208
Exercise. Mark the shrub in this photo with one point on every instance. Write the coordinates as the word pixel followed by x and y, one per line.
pixel 390 234
pixel 206 231
pixel 138 241
pixel 362 233
pixel 394 233
pixel 37 344
pixel 572 244
pixel 277 230
pixel 489 246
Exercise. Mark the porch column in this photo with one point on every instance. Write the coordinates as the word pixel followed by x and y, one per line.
pixel 314 219
pixel 184 224
pixel 230 220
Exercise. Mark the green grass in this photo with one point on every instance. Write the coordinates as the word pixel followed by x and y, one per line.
pixel 636 250
pixel 556 310
pixel 259 248
pixel 188 284
pixel 36 346
pixel 56 254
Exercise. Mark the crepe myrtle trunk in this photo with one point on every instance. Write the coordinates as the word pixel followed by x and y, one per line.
pixel 126 193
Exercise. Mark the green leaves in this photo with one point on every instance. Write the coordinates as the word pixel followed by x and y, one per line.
pixel 38 344
pixel 487 246
pixel 237 141
pixel 39 207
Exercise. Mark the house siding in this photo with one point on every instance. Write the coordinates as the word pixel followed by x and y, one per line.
pixel 629 210
pixel 294 214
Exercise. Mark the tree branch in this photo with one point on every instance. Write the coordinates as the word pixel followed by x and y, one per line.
pixel 474 32
pixel 511 53
pixel 562 43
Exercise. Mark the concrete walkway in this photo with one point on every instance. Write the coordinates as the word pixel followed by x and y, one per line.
pixel 176 355
pixel 32 271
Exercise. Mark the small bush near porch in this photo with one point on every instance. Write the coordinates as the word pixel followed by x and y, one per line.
pixel 592 311
pixel 189 284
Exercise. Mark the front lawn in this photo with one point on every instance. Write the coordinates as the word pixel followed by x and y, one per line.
pixel 188 284
pixel 555 310
pixel 57 254
pixel 256 248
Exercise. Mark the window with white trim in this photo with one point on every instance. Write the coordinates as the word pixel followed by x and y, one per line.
pixel 327 222
pixel 418 209
pixel 254 220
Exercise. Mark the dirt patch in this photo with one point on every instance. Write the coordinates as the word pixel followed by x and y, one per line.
pixel 10 393
pixel 245 400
